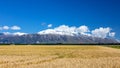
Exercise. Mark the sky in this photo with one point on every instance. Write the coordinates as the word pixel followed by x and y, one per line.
pixel 34 16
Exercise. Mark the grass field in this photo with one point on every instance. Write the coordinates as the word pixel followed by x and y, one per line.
pixel 59 57
pixel 114 46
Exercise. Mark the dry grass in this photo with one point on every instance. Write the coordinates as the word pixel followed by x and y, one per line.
pixel 59 57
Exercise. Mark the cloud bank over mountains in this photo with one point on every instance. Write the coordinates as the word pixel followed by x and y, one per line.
pixel 100 32
pixel 83 30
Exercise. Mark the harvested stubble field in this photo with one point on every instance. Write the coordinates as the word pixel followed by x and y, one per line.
pixel 59 57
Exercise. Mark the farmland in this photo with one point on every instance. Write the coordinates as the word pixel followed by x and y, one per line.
pixel 57 56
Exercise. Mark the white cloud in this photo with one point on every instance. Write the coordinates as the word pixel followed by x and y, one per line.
pixel 66 30
pixel 5 27
pixel 50 25
pixel 15 28
pixel 10 28
pixel 112 34
pixel 15 33
pixel 48 31
pixel 62 30
pixel 19 33
pixel 7 33
pixel 83 30
pixel 101 32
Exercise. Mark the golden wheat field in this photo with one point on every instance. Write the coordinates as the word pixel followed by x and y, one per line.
pixel 31 56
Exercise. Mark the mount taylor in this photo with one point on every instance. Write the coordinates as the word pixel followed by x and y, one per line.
pixel 52 38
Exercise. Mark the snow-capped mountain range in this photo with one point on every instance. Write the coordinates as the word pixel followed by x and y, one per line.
pixel 52 38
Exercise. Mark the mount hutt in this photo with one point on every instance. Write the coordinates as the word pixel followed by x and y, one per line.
pixel 51 38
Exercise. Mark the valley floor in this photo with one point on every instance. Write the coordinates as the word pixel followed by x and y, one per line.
pixel 31 56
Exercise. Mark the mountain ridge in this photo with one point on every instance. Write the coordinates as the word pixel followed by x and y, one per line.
pixel 52 38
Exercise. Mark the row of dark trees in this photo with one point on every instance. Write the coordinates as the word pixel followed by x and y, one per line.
pixel 66 44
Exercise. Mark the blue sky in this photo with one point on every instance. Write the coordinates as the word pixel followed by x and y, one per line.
pixel 34 15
